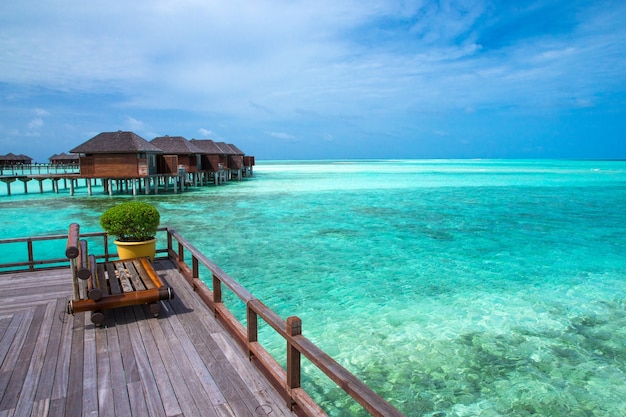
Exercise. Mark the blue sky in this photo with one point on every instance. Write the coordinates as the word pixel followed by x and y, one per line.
pixel 319 79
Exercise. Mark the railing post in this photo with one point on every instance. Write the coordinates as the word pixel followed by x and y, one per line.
pixel 253 328
pixel 31 260
pixel 170 247
pixel 105 238
pixel 181 252
pixel 195 269
pixel 294 328
pixel 217 291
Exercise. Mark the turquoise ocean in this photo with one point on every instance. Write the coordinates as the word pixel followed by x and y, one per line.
pixel 451 287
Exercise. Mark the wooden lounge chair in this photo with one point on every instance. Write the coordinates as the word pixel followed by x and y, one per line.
pixel 106 285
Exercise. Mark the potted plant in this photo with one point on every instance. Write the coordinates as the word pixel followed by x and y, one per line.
pixel 135 224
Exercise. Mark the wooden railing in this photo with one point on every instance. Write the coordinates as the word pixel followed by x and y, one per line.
pixel 38 169
pixel 32 262
pixel 287 381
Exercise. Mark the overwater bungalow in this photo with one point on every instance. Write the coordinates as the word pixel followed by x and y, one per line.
pixel 247 161
pixel 11 159
pixel 123 157
pixel 235 158
pixel 214 160
pixel 117 155
pixel 64 159
pixel 180 156
pixel 178 153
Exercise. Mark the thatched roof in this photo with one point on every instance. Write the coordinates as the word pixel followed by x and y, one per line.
pixel 11 158
pixel 208 146
pixel 64 157
pixel 116 142
pixel 225 148
pixel 177 145
pixel 236 149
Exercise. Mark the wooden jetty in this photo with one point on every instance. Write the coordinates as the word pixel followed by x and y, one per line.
pixel 195 359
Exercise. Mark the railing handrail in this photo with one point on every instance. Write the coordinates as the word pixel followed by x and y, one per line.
pixel 290 330
pixel 32 264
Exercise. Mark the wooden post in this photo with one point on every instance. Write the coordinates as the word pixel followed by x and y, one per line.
pixel 31 257
pixel 253 329
pixel 181 253
pixel 71 249
pixel 217 290
pixel 170 246
pixel 294 328
pixel 195 269
pixel 8 182
pixel 25 181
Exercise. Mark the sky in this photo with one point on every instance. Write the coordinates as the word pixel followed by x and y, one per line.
pixel 323 79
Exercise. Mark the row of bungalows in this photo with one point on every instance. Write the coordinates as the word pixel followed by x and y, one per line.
pixel 11 159
pixel 64 159
pixel 125 155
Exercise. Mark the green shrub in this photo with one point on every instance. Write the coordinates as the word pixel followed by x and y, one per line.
pixel 133 221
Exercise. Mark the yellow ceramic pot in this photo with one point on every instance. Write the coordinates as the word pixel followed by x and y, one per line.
pixel 129 250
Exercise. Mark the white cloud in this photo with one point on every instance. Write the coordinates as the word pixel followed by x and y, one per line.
pixel 266 66
pixel 35 124
pixel 229 57
pixel 283 136
pixel 142 129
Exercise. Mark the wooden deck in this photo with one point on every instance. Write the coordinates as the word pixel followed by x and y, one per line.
pixel 180 364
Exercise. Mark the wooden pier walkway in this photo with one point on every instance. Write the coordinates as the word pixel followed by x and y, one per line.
pixel 182 363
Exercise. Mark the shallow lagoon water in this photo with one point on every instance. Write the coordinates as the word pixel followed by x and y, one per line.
pixel 452 288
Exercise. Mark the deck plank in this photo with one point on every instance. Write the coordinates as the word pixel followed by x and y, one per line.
pixel 44 389
pixel 35 362
pixel 90 369
pixel 104 351
pixel 20 349
pixel 182 363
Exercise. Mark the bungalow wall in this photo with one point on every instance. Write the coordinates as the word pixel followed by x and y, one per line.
pixel 114 166
pixel 235 161
pixel 248 161
pixel 191 162
pixel 167 164
pixel 210 163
